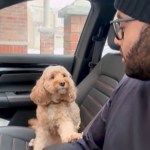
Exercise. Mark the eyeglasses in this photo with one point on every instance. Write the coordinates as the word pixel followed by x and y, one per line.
pixel 119 33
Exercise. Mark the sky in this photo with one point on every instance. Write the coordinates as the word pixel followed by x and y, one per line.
pixel 54 4
pixel 60 3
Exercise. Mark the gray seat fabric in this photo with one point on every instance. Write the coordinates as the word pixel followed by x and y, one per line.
pixel 93 92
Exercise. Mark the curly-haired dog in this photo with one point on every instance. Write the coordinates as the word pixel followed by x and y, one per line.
pixel 58 116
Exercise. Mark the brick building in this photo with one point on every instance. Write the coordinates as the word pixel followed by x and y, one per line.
pixel 21 30
pixel 13 29
pixel 74 19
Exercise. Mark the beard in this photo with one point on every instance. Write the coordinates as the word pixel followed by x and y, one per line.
pixel 137 62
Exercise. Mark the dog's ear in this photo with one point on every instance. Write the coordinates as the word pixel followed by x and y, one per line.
pixel 39 95
pixel 72 91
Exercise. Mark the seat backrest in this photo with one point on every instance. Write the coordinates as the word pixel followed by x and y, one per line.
pixel 98 86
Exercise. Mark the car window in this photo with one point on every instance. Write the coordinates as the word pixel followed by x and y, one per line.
pixel 107 49
pixel 42 26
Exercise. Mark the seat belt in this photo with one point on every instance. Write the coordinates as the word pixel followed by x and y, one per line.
pixel 97 48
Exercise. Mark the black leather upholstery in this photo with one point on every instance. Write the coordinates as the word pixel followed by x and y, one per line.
pixel 98 86
pixel 15 138
pixel 93 92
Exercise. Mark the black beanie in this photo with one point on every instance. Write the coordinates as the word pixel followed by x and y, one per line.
pixel 137 9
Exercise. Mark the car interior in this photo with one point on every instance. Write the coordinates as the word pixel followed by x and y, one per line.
pixel 95 75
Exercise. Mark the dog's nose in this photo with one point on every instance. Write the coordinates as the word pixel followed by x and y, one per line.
pixel 62 84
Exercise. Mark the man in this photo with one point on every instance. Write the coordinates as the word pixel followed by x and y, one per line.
pixel 124 122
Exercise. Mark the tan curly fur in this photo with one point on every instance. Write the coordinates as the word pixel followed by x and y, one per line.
pixel 58 116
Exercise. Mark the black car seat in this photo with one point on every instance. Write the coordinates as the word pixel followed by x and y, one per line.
pixel 98 86
pixel 93 92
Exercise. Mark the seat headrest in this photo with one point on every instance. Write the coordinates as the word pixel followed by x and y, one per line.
pixel 111 37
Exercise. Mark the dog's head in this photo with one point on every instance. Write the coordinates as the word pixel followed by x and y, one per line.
pixel 54 85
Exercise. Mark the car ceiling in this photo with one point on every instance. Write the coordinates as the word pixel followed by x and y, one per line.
pixel 6 3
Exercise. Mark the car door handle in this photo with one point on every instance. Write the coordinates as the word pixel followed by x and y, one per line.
pixel 18 99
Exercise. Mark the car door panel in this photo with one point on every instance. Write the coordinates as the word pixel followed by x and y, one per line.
pixel 18 75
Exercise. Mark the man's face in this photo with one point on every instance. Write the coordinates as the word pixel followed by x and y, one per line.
pixel 135 47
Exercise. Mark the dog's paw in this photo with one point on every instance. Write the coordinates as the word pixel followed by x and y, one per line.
pixel 31 143
pixel 72 137
pixel 76 136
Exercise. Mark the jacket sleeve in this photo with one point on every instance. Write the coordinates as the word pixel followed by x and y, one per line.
pixel 93 136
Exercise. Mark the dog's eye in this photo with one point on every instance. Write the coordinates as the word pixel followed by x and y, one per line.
pixel 64 75
pixel 52 76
